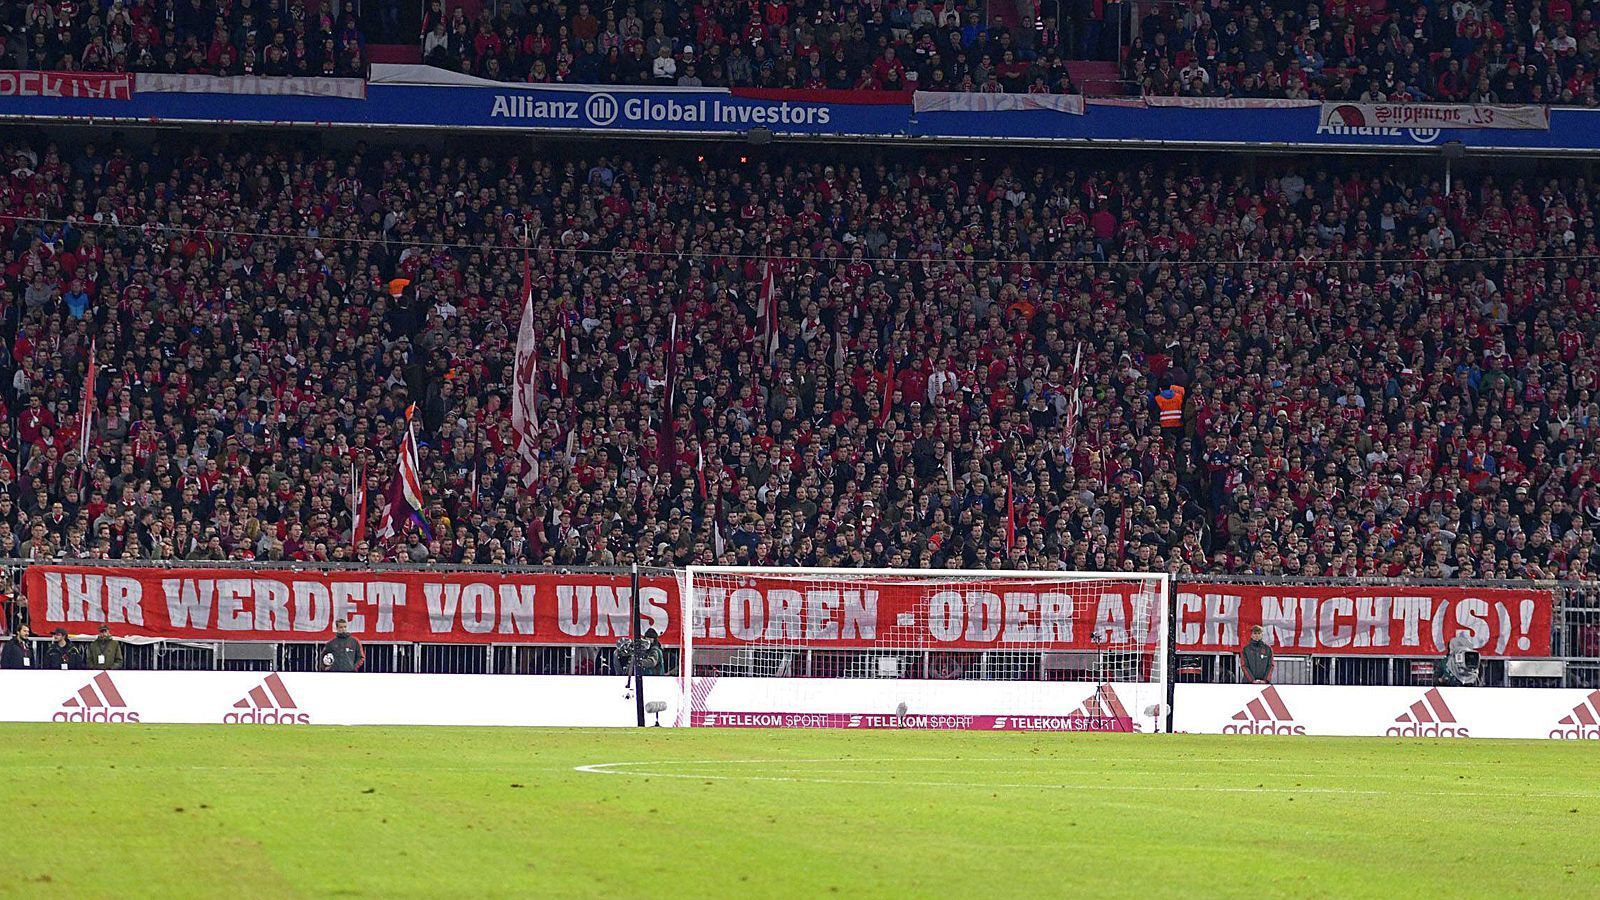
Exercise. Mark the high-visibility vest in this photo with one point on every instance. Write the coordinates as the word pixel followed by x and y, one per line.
pixel 1171 408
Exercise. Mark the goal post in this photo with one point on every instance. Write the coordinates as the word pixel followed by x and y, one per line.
pixel 929 648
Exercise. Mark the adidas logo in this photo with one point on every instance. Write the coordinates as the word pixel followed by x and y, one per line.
pixel 268 703
pixel 1104 711
pixel 97 701
pixel 1583 723
pixel 1266 714
pixel 1428 717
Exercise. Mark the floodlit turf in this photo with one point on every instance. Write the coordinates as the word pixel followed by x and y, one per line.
pixel 254 811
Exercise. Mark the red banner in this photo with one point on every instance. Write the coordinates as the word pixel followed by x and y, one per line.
pixel 224 604
pixel 824 95
pixel 1364 621
pixel 1000 614
pixel 581 609
pixel 91 85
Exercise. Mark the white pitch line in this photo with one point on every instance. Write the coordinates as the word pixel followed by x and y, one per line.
pixel 612 769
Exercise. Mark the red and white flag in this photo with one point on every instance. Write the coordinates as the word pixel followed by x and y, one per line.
pixel 86 414
pixel 410 469
pixel 1069 437
pixel 358 504
pixel 525 385
pixel 887 411
pixel 1011 515
pixel 563 361
pixel 767 313
pixel 388 522
pixel 405 492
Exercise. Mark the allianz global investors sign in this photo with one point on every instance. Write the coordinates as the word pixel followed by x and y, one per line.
pixel 604 110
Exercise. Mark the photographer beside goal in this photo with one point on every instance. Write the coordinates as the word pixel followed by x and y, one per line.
pixel 647 649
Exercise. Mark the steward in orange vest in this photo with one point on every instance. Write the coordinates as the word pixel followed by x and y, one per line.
pixel 1169 401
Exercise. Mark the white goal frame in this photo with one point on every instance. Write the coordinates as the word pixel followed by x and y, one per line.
pixel 1153 716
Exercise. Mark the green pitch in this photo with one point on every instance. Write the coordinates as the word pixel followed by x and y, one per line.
pixel 110 811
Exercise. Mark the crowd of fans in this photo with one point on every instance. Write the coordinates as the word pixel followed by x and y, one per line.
pixel 1467 51
pixel 191 37
pixel 1374 375
pixel 899 46
pixel 1507 51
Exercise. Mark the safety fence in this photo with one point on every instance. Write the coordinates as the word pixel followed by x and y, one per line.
pixel 1544 634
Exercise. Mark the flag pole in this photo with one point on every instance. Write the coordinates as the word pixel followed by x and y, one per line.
pixel 638 644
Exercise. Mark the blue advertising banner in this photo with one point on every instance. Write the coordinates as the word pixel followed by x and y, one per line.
pixel 716 112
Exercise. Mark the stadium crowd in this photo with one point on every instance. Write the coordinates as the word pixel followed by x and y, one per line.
pixel 1381 52
pixel 1516 51
pixel 899 46
pixel 1468 51
pixel 192 37
pixel 1290 367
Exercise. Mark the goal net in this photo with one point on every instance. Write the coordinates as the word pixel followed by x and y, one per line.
pixel 865 648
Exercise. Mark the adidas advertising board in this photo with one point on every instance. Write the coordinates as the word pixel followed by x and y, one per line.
pixel 268 703
pixel 1429 717
pixel 1266 714
pixel 273 700
pixel 257 699
pixel 1103 709
pixel 98 700
pixel 1398 712
pixel 734 702
pixel 1583 723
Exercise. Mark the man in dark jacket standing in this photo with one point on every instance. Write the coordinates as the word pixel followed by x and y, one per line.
pixel 61 654
pixel 343 653
pixel 1256 658
pixel 18 652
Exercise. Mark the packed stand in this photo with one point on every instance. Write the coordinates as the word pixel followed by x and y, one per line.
pixel 1469 51
pixel 901 46
pixel 1372 377
pixel 309 38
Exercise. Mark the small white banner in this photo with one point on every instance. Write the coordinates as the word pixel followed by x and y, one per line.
pixel 252 85
pixel 1435 115
pixel 938 101
pixel 1224 102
